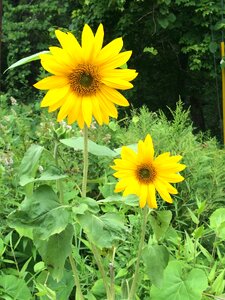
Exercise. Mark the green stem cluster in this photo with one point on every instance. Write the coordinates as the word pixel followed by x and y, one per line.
pixel 94 249
pixel 78 294
pixel 140 248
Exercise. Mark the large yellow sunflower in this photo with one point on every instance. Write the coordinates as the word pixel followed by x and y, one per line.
pixel 85 78
pixel 142 174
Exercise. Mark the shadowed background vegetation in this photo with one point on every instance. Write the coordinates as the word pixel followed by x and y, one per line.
pixel 175 48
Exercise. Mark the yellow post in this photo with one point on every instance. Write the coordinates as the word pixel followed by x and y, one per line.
pixel 223 91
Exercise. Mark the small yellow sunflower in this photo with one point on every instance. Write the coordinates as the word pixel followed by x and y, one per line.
pixel 142 174
pixel 85 78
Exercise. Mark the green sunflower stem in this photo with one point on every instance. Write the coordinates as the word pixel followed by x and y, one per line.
pixel 85 162
pixel 102 271
pixel 78 294
pixel 140 248
pixel 94 249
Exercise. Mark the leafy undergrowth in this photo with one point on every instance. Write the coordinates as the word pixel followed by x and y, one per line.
pixel 184 249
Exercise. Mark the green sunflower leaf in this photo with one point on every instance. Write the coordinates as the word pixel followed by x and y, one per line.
pixel 155 259
pixel 93 148
pixel 26 60
pixel 12 287
pixel 217 222
pixel 41 214
pixel 180 284
pixel 55 251
pixel 103 231
pixel 160 221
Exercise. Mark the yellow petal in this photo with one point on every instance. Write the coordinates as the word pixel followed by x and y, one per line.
pixel 65 109
pixel 172 178
pixel 76 108
pixel 114 96
pixel 80 121
pixel 120 186
pixel 109 51
pixel 55 106
pixel 70 44
pixel 162 157
pixel 170 168
pixel 51 82
pixel 54 95
pixel 61 56
pixel 143 195
pixel 87 41
pixel 128 154
pixel 105 116
pixel 151 200
pixel 98 41
pixel 125 74
pixel 117 83
pixel 117 61
pixel 149 146
pixel 74 49
pixel 97 111
pixel 107 106
pixel 49 63
pixel 161 189
pixel 124 164
pixel 131 189
pixel 168 186
pixel 123 173
pixel 87 110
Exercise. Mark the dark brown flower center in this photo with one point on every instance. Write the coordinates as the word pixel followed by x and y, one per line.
pixel 85 80
pixel 146 173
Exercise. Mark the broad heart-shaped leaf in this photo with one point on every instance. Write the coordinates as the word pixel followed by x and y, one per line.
pixel 52 173
pixel 179 284
pixel 155 259
pixel 103 231
pixel 160 221
pixel 42 213
pixel 217 222
pixel 26 60
pixel 29 165
pixel 12 287
pixel 93 148
pixel 55 251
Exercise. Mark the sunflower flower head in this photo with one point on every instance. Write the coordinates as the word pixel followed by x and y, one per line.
pixel 85 77
pixel 142 174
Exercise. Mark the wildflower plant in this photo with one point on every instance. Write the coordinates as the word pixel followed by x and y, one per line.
pixel 84 87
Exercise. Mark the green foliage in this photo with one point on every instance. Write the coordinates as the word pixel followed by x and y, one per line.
pixel 155 259
pixel 55 251
pixel 179 39
pixel 93 148
pixel 179 284
pixel 184 242
pixel 12 287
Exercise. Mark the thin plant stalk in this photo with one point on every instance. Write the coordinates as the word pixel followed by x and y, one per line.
pixel 112 274
pixel 140 248
pixel 98 260
pixel 94 249
pixel 78 292
pixel 85 162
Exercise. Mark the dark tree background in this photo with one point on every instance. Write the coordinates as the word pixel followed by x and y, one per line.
pixel 175 48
